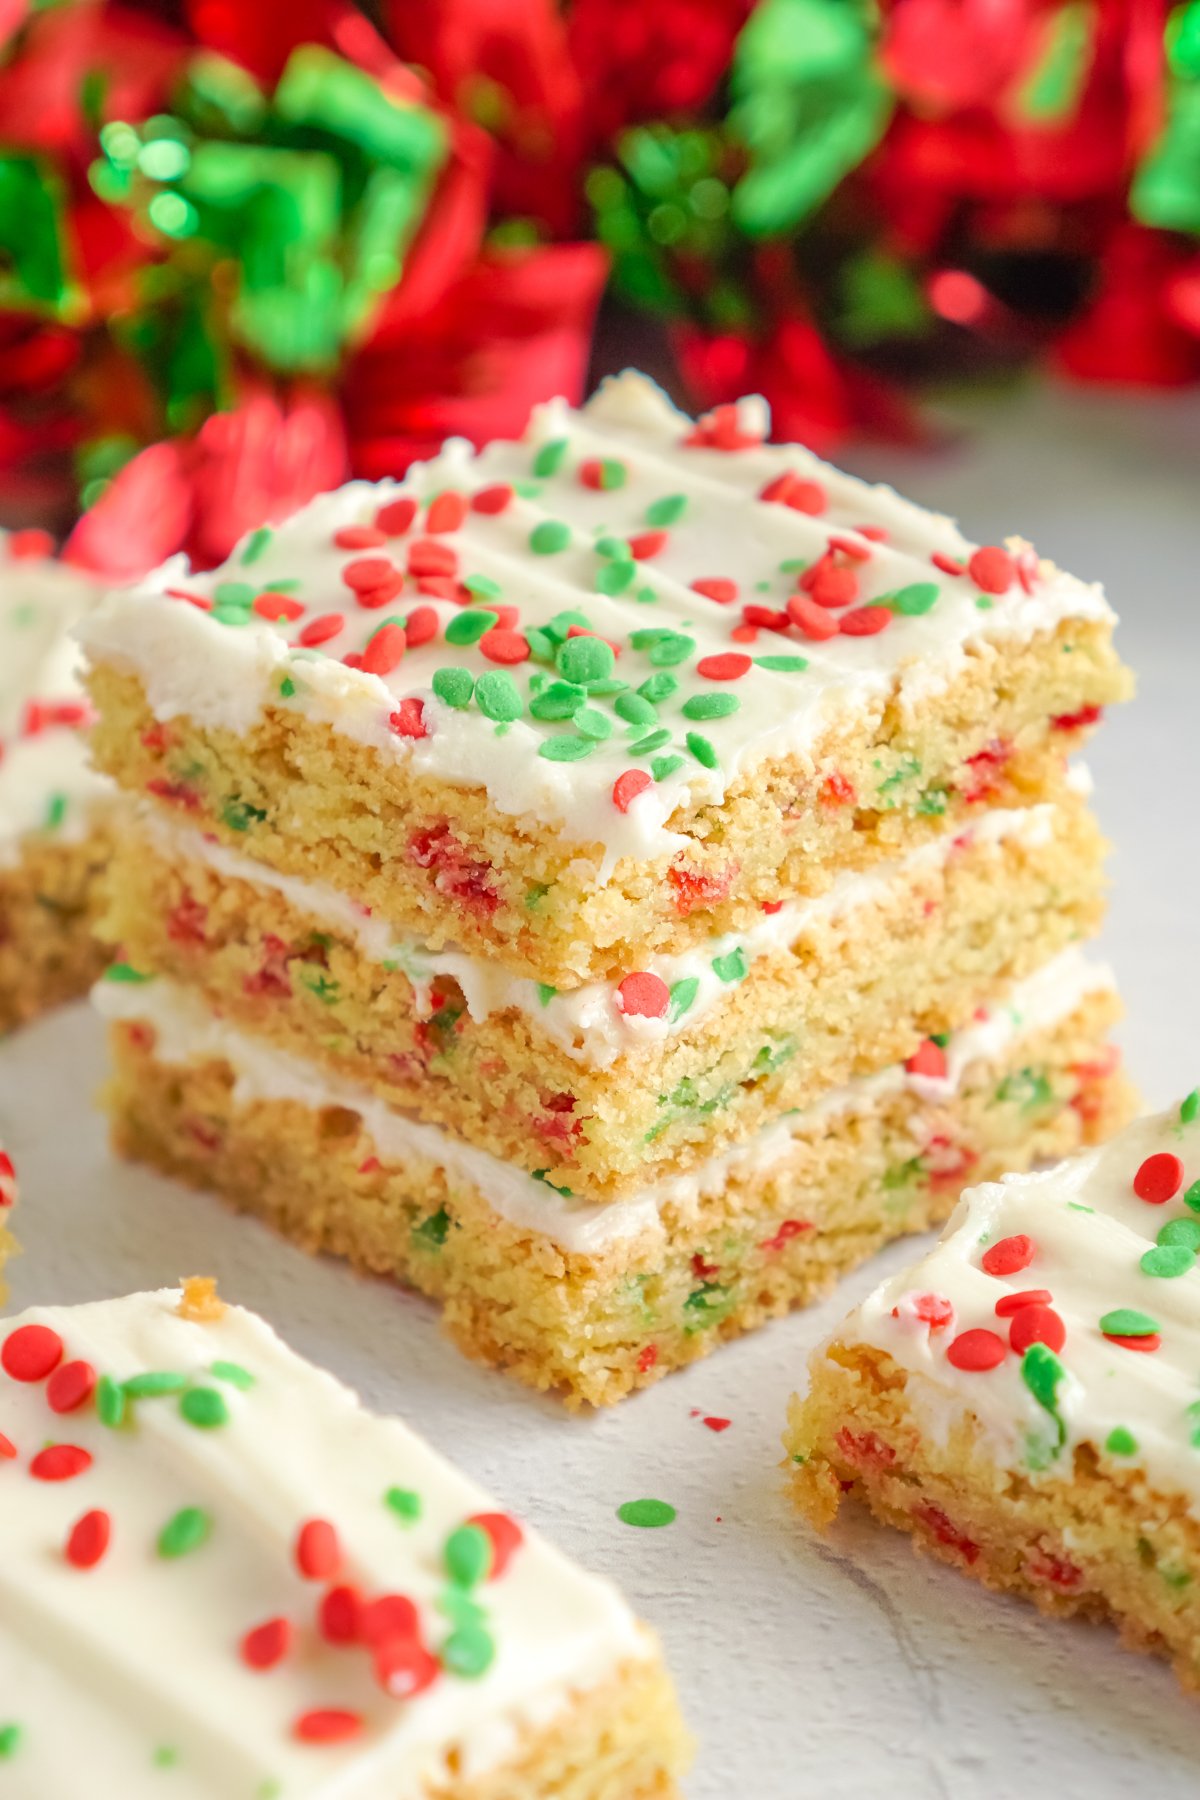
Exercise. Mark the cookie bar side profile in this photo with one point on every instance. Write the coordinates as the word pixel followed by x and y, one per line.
pixel 595 1301
pixel 1023 1401
pixel 216 1562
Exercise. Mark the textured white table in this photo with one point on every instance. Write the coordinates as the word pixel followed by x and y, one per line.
pixel 843 1668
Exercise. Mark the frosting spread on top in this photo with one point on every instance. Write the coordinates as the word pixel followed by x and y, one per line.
pixel 1063 1308
pixel 185 1031
pixel 207 1483
pixel 599 625
pixel 46 785
pixel 593 1023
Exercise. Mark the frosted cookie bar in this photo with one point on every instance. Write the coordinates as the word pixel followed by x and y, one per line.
pixel 602 693
pixel 604 1088
pixel 596 1300
pixel 1025 1399
pixel 223 1577
pixel 53 808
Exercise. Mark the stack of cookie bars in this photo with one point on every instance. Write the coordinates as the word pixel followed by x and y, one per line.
pixel 613 882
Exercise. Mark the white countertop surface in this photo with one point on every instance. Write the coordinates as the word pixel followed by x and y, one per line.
pixel 836 1668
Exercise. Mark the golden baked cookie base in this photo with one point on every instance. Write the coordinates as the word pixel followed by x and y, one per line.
pixel 49 903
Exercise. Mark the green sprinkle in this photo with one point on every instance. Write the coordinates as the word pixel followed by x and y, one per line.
pixel 1190 1107
pixel 10 1741
pixel 710 706
pixel 205 1408
pixel 456 1604
pixel 607 545
pixel 184 1533
pixel 648 1514
pixel 484 585
pixel 1121 1442
pixel 454 686
pixel 545 992
pixel 256 543
pixel 731 967
pixel 662 766
pixel 1192 1197
pixel 635 709
pixel 783 665
pixel 593 724
pixel 1181 1231
pixel 234 1374
pixel 667 510
pixel 1168 1261
pixel 793 565
pixel 468 1652
pixel 611 474
pixel 111 1404
pixel 984 602
pixel 659 687
pixel 683 997
pixel 558 700
pixel 645 596
pixel 1042 1372
pixel 165 1756
pixel 654 740
pixel 914 599
pixel 1126 1321
pixel 702 750
pixel 287 687
pixel 535 895
pixel 498 697
pixel 548 538
pixel 154 1382
pixel 584 660
pixel 566 749
pixel 123 971
pixel 468 627
pixel 234 594
pixel 434 1230
pixel 549 459
pixel 468 1555
pixel 56 811
pixel 541 644
pixel 664 648
pixel 405 1503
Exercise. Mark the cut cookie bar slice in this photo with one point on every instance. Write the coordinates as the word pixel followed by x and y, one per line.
pixel 598 1300
pixel 1025 1400
pixel 53 808
pixel 602 693
pixel 607 1087
pixel 221 1576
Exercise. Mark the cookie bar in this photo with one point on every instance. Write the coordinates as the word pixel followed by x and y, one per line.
pixel 54 809
pixel 600 694
pixel 607 1087
pixel 598 1300
pixel 1024 1401
pixel 222 1577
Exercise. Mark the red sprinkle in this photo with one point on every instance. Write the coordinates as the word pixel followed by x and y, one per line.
pixel 502 645
pixel 628 786
pixel 813 620
pixel 1151 1340
pixel 327 1725
pixel 850 547
pixel 70 1386
pixel 928 1059
pixel 934 1310
pixel 267 1644
pixel 1009 1255
pixel 1159 1178
pixel 396 517
pixel 718 588
pixel 426 556
pixel 1078 721
pixel 338 1615
pixel 790 489
pixel 976 1351
pixel 277 606
pixel 60 1462
pixel 947 564
pixel 446 512
pixel 359 537
pixel 643 995
pixel 647 1359
pixel 8 1449
pixel 30 544
pixel 829 585
pixel 389 1617
pixel 88 1539
pixel 403 1667
pixel 992 569
pixel 318 1552
pixel 420 626
pixel 371 599
pixel 865 621
pixel 368 572
pixel 1008 1304
pixel 385 651
pixel 730 665
pixel 321 629
pixel 31 1352
pixel 506 1535
pixel 647 544
pixel 1036 1325
pixel 408 720
pixel 492 499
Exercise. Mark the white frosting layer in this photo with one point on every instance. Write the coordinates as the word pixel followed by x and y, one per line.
pixel 589 1022
pixel 1090 1232
pixel 186 1031
pixel 45 783
pixel 222 667
pixel 103 1669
